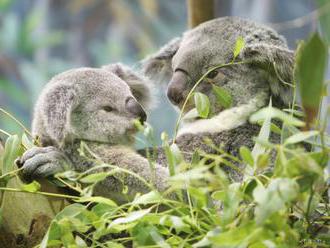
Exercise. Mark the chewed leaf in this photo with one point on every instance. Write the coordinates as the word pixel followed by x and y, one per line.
pixel 223 97
pixel 31 187
pixel 202 103
pixel 239 45
pixel 133 216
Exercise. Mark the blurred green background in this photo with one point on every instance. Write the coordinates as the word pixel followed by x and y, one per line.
pixel 40 38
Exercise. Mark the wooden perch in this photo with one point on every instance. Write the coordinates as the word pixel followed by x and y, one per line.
pixel 199 11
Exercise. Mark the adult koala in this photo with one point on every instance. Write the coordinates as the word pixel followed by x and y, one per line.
pixel 97 106
pixel 267 72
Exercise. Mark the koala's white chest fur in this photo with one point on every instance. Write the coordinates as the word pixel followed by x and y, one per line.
pixel 227 119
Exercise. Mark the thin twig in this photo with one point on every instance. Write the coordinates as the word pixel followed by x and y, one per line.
pixel 303 20
pixel 40 193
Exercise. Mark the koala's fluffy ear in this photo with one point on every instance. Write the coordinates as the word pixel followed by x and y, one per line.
pixel 57 111
pixel 141 87
pixel 158 66
pixel 278 62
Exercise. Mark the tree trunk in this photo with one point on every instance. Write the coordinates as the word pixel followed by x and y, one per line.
pixel 199 11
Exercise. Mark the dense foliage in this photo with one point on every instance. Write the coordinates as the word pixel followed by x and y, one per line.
pixel 282 200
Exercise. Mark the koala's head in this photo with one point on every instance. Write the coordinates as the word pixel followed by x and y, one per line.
pixel 90 104
pixel 183 61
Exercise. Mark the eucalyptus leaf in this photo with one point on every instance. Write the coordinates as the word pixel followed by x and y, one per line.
pixel 94 178
pixel 149 198
pixel 246 155
pixel 31 187
pixel 223 97
pixel 98 199
pixel 202 104
pixel 274 113
pixel 11 152
pixel 301 136
pixel 311 63
pixel 239 45
pixel 130 217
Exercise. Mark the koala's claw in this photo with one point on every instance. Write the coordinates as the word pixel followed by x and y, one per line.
pixel 42 162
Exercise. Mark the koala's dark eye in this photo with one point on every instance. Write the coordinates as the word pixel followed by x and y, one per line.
pixel 212 74
pixel 107 108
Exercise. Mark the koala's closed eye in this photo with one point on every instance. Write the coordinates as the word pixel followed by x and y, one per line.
pixel 108 108
pixel 217 76
pixel 212 74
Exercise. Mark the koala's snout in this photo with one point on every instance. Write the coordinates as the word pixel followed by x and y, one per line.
pixel 176 87
pixel 135 108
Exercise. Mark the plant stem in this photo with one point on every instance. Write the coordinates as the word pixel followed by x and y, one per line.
pixel 41 193
pixel 17 121
pixel 11 172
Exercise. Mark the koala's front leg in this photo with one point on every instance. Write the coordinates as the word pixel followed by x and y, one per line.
pixel 42 162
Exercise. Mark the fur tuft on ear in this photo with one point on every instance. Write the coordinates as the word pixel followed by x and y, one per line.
pixel 57 112
pixel 158 66
pixel 278 62
pixel 141 87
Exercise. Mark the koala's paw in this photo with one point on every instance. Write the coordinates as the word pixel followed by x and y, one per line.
pixel 42 162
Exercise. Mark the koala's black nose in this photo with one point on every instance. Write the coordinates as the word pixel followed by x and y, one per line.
pixel 136 109
pixel 176 87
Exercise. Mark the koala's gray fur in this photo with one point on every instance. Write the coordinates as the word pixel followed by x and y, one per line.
pixel 97 106
pixel 268 73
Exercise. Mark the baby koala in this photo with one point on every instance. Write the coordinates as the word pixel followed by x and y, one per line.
pixel 98 107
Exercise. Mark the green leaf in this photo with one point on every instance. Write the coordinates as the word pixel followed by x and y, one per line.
pixel 246 155
pixel 142 234
pixel 26 142
pixel 301 136
pixel 262 160
pixel 80 242
pixel 31 187
pixel 239 45
pixel 234 237
pixel 168 154
pixel 202 104
pixel 311 63
pixel 263 136
pixel 273 198
pixel 114 244
pixel 98 199
pixel 223 97
pixel 324 19
pixel 11 152
pixel 175 222
pixel 151 197
pixel 131 217
pixel 274 113
pixel 94 178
